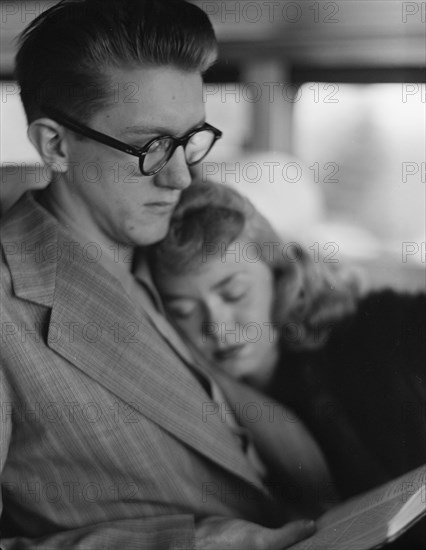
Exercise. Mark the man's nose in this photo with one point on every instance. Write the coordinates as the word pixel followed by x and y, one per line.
pixel 175 174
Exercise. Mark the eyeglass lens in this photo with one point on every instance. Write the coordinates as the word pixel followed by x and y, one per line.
pixel 195 150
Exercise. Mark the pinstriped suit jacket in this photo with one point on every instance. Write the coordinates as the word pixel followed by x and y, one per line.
pixel 106 438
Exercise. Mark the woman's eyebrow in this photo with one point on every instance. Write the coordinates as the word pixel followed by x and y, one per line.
pixel 175 297
pixel 225 281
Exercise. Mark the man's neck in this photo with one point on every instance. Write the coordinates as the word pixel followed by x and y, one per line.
pixel 114 256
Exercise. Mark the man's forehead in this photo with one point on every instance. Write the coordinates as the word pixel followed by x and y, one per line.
pixel 156 100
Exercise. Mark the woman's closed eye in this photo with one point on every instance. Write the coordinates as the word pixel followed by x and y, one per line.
pixel 181 309
pixel 236 293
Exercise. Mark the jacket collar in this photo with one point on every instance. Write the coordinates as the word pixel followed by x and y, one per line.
pixel 29 240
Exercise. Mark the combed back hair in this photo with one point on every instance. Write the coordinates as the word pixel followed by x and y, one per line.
pixel 66 54
pixel 211 218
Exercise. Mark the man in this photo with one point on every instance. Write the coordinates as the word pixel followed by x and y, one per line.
pixel 108 435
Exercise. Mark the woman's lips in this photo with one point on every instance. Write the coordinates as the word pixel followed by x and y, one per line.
pixel 231 352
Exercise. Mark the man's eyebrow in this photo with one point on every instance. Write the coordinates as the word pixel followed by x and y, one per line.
pixel 152 129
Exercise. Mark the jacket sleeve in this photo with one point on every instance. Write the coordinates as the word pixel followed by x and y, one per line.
pixel 160 533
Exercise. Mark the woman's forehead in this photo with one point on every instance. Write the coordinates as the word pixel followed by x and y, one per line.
pixel 217 271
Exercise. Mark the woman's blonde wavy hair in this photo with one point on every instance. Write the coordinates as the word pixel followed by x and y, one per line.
pixel 310 296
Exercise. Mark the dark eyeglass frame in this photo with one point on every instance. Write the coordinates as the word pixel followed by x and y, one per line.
pixel 139 152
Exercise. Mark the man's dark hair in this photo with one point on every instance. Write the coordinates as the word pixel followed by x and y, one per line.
pixel 65 54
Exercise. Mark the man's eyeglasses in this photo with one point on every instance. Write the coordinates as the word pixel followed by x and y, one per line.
pixel 153 156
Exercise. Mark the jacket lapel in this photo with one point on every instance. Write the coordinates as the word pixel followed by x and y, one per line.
pixel 96 327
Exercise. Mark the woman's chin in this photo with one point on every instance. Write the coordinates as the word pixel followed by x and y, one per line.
pixel 248 372
pixel 238 369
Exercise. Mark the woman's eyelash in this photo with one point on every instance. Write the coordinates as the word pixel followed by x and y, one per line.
pixel 234 297
pixel 181 313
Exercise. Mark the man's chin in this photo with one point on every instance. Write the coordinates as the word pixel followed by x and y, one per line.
pixel 147 236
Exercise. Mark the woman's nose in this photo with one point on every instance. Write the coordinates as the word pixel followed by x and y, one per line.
pixel 222 322
pixel 176 174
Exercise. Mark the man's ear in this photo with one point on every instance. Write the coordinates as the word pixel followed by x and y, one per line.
pixel 48 137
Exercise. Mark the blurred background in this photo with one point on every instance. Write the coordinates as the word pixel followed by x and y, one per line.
pixel 323 109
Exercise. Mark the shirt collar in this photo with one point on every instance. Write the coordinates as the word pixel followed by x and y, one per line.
pixel 142 273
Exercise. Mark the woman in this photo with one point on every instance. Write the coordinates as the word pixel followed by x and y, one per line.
pixel 264 312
